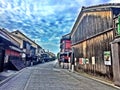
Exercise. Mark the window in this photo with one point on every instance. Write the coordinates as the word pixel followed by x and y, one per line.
pixel 118 26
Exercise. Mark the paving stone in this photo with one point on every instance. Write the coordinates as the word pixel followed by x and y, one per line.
pixel 48 77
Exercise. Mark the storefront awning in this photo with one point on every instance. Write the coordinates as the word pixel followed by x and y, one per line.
pixel 17 64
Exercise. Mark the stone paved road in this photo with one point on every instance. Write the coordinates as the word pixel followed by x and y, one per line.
pixel 46 77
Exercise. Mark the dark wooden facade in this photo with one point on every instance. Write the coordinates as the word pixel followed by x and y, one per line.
pixel 9 50
pixel 91 36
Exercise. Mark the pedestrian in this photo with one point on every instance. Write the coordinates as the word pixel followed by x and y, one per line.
pixel 24 58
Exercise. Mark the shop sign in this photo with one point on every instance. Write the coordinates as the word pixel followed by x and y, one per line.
pixel 107 58
pixel 80 60
pixel 87 61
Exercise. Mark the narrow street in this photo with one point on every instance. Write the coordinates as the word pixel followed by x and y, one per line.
pixel 49 76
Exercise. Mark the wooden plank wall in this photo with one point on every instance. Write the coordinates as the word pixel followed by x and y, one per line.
pixel 95 47
pixel 87 41
pixel 92 23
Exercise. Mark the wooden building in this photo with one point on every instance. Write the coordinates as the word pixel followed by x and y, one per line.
pixel 23 37
pixel 65 46
pixel 65 49
pixel 10 53
pixel 91 36
pixel 30 47
pixel 65 43
pixel 115 47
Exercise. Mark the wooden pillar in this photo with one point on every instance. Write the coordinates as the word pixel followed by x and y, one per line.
pixel 2 55
pixel 115 47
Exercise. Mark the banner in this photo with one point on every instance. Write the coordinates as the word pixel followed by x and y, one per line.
pixel 83 61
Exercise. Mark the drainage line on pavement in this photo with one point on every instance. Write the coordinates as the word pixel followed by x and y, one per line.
pixel 10 77
pixel 27 83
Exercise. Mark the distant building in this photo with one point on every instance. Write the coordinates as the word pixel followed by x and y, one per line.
pixel 65 48
pixel 31 48
pixel 26 42
pixel 65 43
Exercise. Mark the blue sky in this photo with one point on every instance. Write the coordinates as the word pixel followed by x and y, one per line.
pixel 44 21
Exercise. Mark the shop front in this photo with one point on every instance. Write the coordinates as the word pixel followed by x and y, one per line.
pixel 9 50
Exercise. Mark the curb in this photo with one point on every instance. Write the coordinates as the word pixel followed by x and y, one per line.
pixel 10 77
pixel 7 79
pixel 103 82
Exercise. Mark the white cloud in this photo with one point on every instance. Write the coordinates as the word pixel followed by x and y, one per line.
pixel 43 20
pixel 37 39
pixel 47 10
pixel 41 31
pixel 54 37
pixel 114 1
pixel 28 11
pixel 81 2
